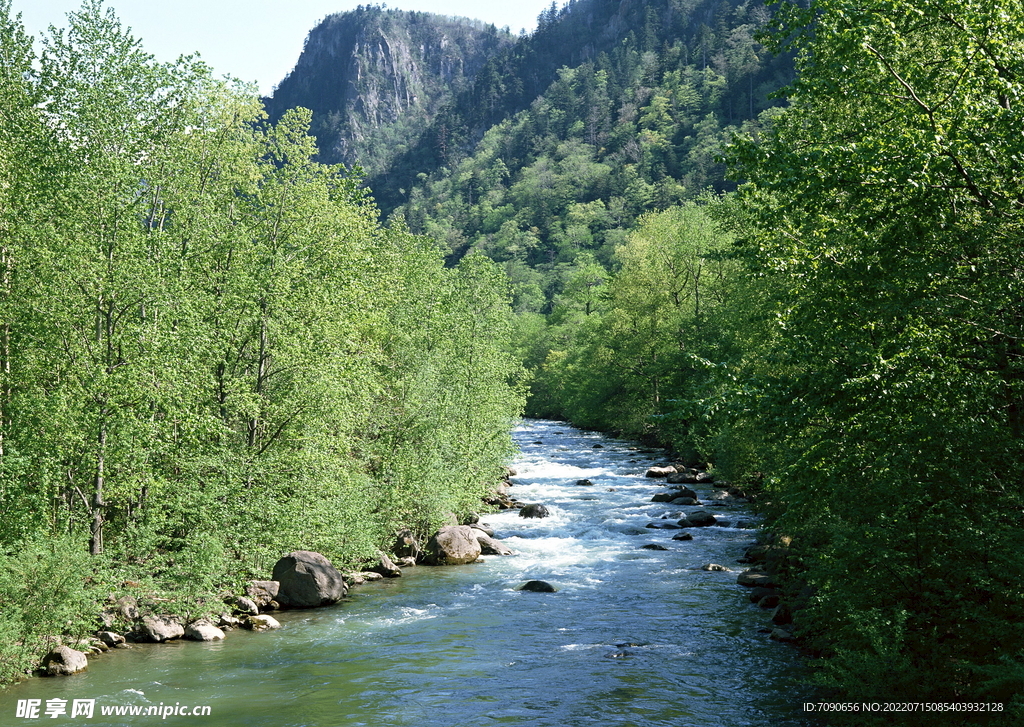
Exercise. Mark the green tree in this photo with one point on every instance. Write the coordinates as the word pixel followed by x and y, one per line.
pixel 894 379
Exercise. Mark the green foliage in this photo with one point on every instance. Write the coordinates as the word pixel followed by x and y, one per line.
pixel 889 389
pixel 644 350
pixel 46 590
pixel 211 352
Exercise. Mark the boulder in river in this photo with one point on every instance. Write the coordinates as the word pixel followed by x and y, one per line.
pixel 715 567
pixel 263 622
pixel 533 510
pixel 537 587
pixel 655 472
pixel 683 536
pixel 700 519
pixel 160 628
pixel 665 497
pixel 682 478
pixel 491 546
pixel 662 526
pixel 484 528
pixel 684 502
pixel 653 546
pixel 759 592
pixel 584 483
pixel 203 630
pixel 64 661
pixel 385 567
pixel 753 578
pixel 308 580
pixel 452 545
pixel 684 492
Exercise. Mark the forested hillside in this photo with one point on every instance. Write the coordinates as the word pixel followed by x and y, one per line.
pixel 375 78
pixel 211 353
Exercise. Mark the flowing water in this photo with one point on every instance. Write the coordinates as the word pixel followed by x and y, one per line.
pixel 632 636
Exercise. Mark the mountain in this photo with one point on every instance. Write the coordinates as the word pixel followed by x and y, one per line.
pixel 542 152
pixel 375 78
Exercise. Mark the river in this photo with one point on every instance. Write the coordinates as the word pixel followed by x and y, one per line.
pixel 632 637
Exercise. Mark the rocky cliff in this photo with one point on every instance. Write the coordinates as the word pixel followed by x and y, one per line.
pixel 374 78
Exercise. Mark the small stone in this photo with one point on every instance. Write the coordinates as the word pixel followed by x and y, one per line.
pixel 584 483
pixel 110 638
pixel 715 567
pixel 782 635
pixel 653 546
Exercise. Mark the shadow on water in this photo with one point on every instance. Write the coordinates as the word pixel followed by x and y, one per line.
pixel 632 637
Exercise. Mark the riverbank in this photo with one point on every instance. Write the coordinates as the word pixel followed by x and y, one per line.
pixel 631 634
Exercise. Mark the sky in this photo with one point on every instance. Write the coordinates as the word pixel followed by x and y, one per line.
pixel 255 40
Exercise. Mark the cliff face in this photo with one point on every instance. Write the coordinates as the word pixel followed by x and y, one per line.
pixel 375 78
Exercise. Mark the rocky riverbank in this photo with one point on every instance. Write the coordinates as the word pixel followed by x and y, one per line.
pixel 300 580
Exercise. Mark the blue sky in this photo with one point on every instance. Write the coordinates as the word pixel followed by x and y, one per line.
pixel 255 40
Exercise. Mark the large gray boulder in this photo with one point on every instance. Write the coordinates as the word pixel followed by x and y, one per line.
pixel 64 661
pixel 699 519
pixel 308 580
pixel 452 545
pixel 754 578
pixel 203 630
pixel 160 628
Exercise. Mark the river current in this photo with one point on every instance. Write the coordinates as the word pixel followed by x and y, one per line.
pixel 632 637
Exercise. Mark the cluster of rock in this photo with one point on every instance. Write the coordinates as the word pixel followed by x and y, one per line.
pixel 764 586
pixel 501 499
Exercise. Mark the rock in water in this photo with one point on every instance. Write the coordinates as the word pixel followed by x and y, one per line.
pixel 699 519
pixel 385 567
pixel 533 510
pixel 491 546
pixel 537 587
pixel 203 630
pixel 64 661
pixel 262 622
pixel 452 545
pixel 308 580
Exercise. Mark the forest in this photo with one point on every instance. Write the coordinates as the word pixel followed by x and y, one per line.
pixel 782 239
pixel 211 351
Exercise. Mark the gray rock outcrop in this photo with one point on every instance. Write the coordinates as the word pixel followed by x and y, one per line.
pixel 64 661
pixel 452 545
pixel 308 580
